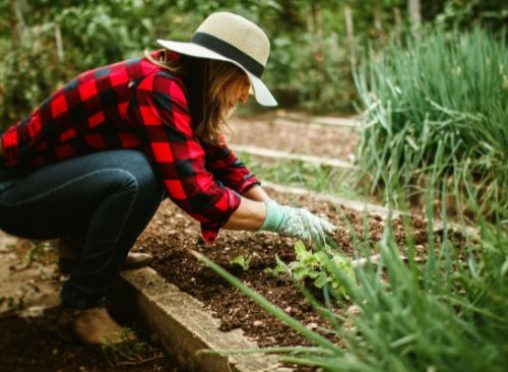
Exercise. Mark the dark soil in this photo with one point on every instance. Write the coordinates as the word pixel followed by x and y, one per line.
pixel 34 344
pixel 299 138
pixel 171 233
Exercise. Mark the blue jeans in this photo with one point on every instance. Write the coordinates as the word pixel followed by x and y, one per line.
pixel 105 199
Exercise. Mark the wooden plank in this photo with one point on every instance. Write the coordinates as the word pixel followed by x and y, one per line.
pixel 337 122
pixel 283 155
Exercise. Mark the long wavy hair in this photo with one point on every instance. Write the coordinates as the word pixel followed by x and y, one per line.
pixel 211 85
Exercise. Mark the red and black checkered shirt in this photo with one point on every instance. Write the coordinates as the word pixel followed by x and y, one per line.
pixel 134 104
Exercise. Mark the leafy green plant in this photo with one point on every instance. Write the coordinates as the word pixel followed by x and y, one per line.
pixel 243 262
pixel 317 266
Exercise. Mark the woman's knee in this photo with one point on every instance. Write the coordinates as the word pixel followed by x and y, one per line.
pixel 133 168
pixel 140 174
pixel 142 171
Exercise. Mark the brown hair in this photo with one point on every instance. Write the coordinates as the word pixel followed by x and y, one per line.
pixel 210 85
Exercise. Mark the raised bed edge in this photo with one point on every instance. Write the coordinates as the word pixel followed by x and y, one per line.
pixel 184 327
pixel 283 155
pixel 348 203
pixel 360 206
pixel 355 122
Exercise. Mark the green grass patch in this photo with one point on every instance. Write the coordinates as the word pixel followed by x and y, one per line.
pixel 318 178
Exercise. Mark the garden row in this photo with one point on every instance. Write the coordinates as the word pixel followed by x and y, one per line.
pixel 253 258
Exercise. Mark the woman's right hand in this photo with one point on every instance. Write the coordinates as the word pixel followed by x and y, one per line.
pixel 296 222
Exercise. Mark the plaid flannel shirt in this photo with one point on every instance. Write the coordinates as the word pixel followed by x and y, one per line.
pixel 134 104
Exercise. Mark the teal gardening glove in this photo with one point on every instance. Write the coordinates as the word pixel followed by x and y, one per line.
pixel 296 222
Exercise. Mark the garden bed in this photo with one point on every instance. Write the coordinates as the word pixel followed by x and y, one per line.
pixel 171 234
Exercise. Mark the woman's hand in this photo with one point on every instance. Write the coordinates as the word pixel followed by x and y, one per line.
pixel 296 222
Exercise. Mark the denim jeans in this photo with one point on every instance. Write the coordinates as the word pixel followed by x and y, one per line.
pixel 105 199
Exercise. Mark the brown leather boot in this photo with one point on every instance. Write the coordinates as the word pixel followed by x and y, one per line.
pixel 95 327
pixel 68 251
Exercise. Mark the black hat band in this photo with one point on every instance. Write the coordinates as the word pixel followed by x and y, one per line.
pixel 229 51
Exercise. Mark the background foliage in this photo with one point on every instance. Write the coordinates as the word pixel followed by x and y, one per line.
pixel 45 43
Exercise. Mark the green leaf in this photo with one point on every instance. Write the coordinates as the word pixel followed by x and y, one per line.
pixel 241 261
pixel 321 280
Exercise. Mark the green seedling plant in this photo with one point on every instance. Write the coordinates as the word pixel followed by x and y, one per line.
pixel 242 261
pixel 316 265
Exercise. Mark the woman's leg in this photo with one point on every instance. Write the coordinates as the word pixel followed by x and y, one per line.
pixel 107 198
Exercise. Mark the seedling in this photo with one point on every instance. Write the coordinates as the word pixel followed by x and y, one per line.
pixel 243 262
pixel 316 266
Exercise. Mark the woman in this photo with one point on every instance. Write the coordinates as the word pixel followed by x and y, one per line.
pixel 94 161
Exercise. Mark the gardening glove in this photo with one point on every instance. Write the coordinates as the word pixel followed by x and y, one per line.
pixel 296 222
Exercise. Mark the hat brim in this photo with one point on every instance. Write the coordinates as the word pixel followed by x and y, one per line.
pixel 261 92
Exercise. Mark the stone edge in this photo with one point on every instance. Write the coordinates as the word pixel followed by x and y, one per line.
pixel 183 326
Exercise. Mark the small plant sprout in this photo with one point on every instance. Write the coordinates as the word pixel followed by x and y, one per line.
pixel 243 262
pixel 318 266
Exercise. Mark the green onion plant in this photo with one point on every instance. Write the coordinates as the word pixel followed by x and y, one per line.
pixel 446 97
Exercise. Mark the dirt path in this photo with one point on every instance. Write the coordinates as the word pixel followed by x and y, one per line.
pixel 30 341
pixel 32 344
pixel 298 138
pixel 29 280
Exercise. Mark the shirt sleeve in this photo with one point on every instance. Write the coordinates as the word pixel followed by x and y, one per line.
pixel 227 168
pixel 159 111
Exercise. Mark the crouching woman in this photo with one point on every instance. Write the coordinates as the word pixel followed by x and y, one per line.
pixel 94 161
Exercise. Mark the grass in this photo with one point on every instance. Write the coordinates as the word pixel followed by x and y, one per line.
pixel 443 95
pixel 318 178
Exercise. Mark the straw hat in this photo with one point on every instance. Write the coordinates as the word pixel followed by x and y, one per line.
pixel 229 37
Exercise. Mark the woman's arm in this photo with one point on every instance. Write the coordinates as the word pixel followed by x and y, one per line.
pixel 256 193
pixel 227 168
pixel 250 215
